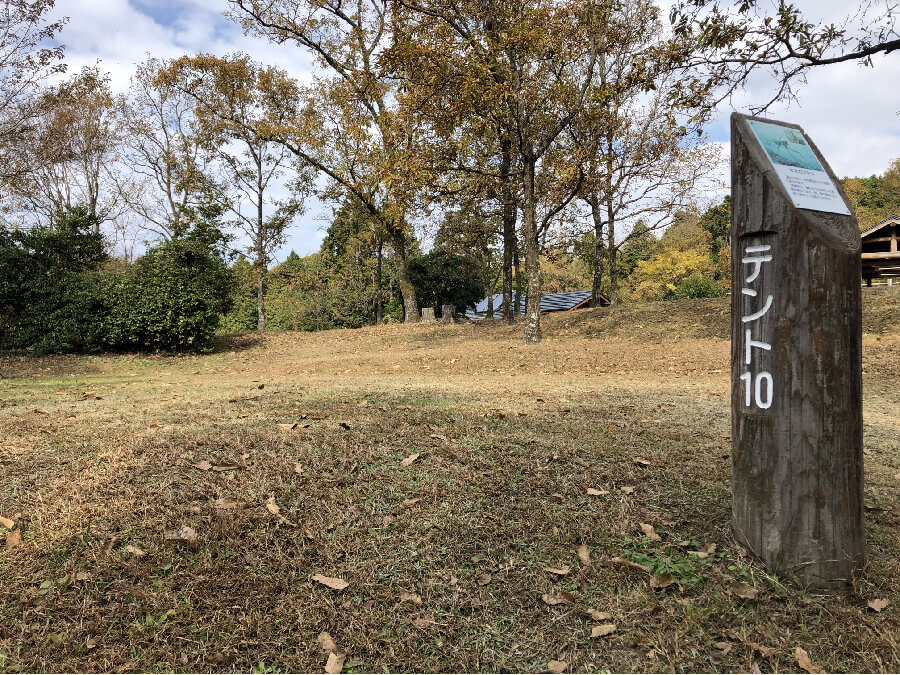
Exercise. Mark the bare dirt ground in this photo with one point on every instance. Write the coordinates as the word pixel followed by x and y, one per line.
pixel 482 501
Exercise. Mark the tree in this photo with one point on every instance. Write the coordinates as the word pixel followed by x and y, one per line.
pixel 347 128
pixel 171 186
pixel 26 61
pixel 876 197
pixel 232 105
pixel 445 278
pixel 71 146
pixel 722 43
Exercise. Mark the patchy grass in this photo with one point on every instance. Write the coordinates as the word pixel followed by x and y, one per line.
pixel 97 460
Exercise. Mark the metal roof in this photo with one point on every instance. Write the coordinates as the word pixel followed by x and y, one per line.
pixel 551 302
pixel 879 225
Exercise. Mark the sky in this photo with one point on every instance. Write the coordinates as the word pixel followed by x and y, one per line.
pixel 848 110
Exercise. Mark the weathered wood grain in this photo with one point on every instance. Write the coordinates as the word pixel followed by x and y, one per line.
pixel 797 474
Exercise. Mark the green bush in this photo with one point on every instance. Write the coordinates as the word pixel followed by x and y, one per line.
pixel 441 277
pixel 51 298
pixel 170 299
pixel 696 286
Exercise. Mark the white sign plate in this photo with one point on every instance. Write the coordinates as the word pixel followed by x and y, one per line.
pixel 806 180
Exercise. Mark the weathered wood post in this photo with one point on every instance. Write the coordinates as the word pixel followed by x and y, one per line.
pixel 428 315
pixel 448 313
pixel 796 357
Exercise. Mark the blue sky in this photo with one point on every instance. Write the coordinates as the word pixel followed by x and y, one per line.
pixel 849 111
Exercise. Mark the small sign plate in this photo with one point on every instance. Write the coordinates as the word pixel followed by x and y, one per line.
pixel 799 169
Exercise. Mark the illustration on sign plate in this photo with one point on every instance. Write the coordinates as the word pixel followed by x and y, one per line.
pixel 786 146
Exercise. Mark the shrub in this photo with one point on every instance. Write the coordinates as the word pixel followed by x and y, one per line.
pixel 696 286
pixel 441 277
pixel 170 299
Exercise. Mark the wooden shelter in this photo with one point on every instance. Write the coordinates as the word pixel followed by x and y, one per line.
pixel 880 254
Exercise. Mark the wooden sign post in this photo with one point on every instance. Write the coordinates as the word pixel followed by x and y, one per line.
pixel 796 357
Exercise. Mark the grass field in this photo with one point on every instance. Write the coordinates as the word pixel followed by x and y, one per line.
pixel 488 505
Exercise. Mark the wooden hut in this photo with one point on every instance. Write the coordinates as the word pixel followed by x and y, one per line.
pixel 880 254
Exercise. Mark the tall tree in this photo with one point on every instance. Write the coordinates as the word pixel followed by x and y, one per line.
pixel 27 59
pixel 348 128
pixel 234 111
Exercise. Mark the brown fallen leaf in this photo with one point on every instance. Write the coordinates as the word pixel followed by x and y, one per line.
pixel 619 560
pixel 557 666
pixel 409 596
pixel 423 622
pixel 272 507
pixel 7 523
pixel 186 534
pixel 229 503
pixel 627 490
pixel 661 580
pixel 560 571
pixel 597 615
pixel 764 651
pixel 563 598
pixel 641 461
pixel 90 643
pixel 225 467
pixel 327 643
pixel 335 663
pixel 409 460
pixel 298 468
pixel 203 465
pixel 584 555
pixel 724 646
pixel 745 591
pixel 410 502
pixel 699 554
pixel 650 532
pixel 13 538
pixel 484 579
pixel 136 551
pixel 596 493
pixel 804 662
pixel 602 630
pixel 878 604
pixel 332 582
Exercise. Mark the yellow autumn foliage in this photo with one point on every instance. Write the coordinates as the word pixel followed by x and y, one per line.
pixel 653 278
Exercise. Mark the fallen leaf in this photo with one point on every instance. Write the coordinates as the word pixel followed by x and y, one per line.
pixel 439 437
pixel 804 662
pixel 298 468
pixel 136 551
pixel 203 465
pixel 605 629
pixel 627 490
pixel 423 622
pixel 82 576
pixel 765 652
pixel 7 523
pixel 327 643
pixel 410 502
pixel 650 532
pixel 641 461
pixel 272 507
pixel 90 643
pixel 13 538
pixel 225 467
pixel 596 493
pixel 699 554
pixel 661 580
pixel 557 666
pixel 184 533
pixel 332 582
pixel 878 605
pixel 597 615
pixel 561 599
pixel 408 596
pixel 484 579
pixel 724 646
pixel 624 561
pixel 561 571
pixel 584 555
pixel 229 503
pixel 335 663
pixel 745 591
pixel 409 460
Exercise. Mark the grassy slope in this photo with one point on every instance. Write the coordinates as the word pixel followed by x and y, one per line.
pixel 97 455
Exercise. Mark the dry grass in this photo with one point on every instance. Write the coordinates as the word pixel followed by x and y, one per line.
pixel 509 439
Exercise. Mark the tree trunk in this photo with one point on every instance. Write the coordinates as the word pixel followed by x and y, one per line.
pixel 599 252
pixel 490 306
pixel 532 333
pixel 517 300
pixel 613 254
pixel 509 230
pixel 260 299
pixel 378 282
pixel 407 290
